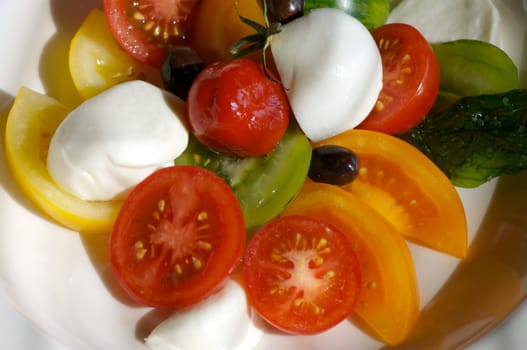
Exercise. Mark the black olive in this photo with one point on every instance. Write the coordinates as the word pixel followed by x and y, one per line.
pixel 284 11
pixel 334 165
pixel 179 69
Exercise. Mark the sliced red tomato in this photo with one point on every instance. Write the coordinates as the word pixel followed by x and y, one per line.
pixel 147 28
pixel 234 108
pixel 408 189
pixel 301 274
pixel 178 236
pixel 388 303
pixel 410 79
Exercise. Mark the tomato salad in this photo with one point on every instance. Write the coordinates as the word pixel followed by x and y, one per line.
pixel 241 200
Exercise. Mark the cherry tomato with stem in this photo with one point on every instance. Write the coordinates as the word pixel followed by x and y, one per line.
pixel 410 79
pixel 178 236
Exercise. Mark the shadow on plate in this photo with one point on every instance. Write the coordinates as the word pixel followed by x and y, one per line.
pixel 486 287
pixel 53 70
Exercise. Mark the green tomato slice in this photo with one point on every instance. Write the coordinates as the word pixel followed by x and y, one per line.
pixel 472 67
pixel 263 185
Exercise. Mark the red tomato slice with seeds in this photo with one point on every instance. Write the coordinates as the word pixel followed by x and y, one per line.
pixel 410 79
pixel 147 28
pixel 178 236
pixel 301 274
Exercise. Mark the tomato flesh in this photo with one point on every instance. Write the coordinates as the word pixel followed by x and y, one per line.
pixel 178 236
pixel 388 303
pixel 301 274
pixel 147 28
pixel 235 109
pixel 410 79
pixel 408 189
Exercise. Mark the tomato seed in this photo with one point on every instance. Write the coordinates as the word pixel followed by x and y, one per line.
pixel 329 275
pixel 203 216
pixel 323 242
pixel 205 245
pixel 318 260
pixel 197 263
pixel 161 205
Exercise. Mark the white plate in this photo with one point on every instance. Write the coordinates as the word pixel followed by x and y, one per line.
pixel 62 284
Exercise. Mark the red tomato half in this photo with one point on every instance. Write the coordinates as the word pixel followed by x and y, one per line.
pixel 301 274
pixel 178 236
pixel 410 79
pixel 234 108
pixel 147 28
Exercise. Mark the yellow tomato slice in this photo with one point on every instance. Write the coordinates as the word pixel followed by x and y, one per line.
pixel 97 62
pixel 30 125
pixel 408 189
pixel 389 302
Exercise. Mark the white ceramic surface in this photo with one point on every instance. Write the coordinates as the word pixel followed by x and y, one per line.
pixel 59 282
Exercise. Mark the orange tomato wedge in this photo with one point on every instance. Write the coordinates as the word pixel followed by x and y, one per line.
pixel 408 189
pixel 388 303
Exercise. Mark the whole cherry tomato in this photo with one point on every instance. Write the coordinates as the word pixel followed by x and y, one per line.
pixel 234 108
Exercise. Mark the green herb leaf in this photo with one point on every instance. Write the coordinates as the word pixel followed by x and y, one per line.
pixel 476 138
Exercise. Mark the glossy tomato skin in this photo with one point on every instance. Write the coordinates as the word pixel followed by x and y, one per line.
pixel 178 236
pixel 301 274
pixel 410 79
pixel 235 109
pixel 147 28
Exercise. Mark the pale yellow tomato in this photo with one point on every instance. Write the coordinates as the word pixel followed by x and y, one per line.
pixel 30 125
pixel 97 62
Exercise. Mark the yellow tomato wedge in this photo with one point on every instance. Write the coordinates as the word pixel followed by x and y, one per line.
pixel 97 62
pixel 30 125
pixel 388 304
pixel 408 189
